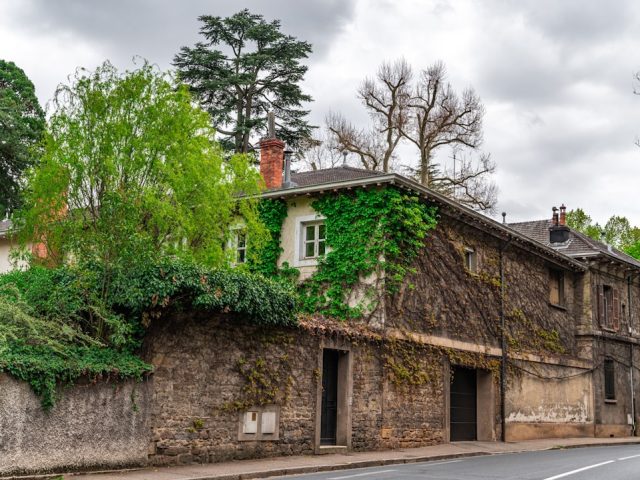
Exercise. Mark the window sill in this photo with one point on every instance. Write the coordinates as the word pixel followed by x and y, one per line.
pixel 610 401
pixel 608 329
pixel 559 307
pixel 306 262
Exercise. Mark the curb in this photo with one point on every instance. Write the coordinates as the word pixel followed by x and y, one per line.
pixel 279 472
pixel 301 470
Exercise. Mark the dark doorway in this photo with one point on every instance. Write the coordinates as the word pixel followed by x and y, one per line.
pixel 463 404
pixel 329 413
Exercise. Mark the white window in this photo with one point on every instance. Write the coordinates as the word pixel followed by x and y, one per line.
pixel 237 245
pixel 310 238
pixel 314 240
pixel 241 247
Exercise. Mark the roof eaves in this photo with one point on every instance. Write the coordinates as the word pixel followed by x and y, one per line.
pixel 393 178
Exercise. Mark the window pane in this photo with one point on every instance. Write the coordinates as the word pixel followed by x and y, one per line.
pixel 241 256
pixel 311 232
pixel 320 247
pixel 321 231
pixel 309 250
pixel 241 240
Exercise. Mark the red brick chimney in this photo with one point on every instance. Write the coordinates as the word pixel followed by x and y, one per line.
pixel 271 157
pixel 271 162
pixel 563 215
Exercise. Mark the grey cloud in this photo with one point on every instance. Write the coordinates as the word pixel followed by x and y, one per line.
pixel 157 29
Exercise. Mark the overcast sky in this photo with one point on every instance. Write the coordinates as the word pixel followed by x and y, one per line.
pixel 556 77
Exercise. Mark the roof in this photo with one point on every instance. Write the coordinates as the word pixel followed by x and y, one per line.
pixel 579 245
pixel 331 179
pixel 5 226
pixel 328 175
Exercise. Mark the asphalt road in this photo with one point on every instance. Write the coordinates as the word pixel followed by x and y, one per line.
pixel 595 463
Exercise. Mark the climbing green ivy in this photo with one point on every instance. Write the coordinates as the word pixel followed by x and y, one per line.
pixel 264 260
pixel 373 235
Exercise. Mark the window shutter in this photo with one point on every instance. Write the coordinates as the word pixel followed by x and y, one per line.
pixel 599 303
pixel 616 308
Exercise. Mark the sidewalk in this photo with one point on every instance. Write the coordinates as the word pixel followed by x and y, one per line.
pixel 269 467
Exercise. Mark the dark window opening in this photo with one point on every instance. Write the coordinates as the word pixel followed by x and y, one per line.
pixel 609 380
pixel 556 287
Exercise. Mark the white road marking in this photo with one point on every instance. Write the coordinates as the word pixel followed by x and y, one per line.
pixel 362 474
pixel 429 464
pixel 627 458
pixel 566 474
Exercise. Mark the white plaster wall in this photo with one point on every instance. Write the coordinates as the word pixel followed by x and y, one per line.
pixel 299 207
pixel 92 426
pixel 5 247
pixel 531 399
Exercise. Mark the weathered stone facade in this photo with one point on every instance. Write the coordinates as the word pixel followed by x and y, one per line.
pixel 209 371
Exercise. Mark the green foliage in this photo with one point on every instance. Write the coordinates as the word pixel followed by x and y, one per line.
pixel 617 232
pixel 257 69
pixel 45 368
pixel 55 326
pixel 21 127
pixel 633 250
pixel 131 170
pixel 272 213
pixel 178 285
pixel 369 232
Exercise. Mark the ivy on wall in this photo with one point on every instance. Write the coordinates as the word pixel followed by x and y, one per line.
pixel 49 317
pixel 272 213
pixel 373 237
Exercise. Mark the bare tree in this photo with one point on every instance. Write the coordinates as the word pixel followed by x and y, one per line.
pixel 467 180
pixel 440 117
pixel 386 98
pixel 428 114
pixel 319 152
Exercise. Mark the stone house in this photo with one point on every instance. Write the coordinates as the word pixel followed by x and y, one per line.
pixel 501 332
pixel 509 332
pixel 608 327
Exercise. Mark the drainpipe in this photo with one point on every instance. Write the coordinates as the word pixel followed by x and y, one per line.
pixel 633 397
pixel 633 393
pixel 503 344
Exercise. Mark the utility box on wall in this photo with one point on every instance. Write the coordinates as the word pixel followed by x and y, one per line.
pixel 259 424
pixel 250 423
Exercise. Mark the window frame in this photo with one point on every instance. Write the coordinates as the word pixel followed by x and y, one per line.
pixel 299 257
pixel 471 259
pixel 318 242
pixel 232 244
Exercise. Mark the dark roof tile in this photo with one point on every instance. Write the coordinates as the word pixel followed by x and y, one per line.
pixel 579 244
pixel 331 175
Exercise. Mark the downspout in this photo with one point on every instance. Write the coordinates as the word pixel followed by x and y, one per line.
pixel 503 345
pixel 633 393
pixel 633 398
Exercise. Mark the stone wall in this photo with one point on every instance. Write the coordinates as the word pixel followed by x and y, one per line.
pixel 443 298
pixel 209 371
pixel 92 426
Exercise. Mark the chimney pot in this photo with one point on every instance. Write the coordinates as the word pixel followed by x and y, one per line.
pixel 563 215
